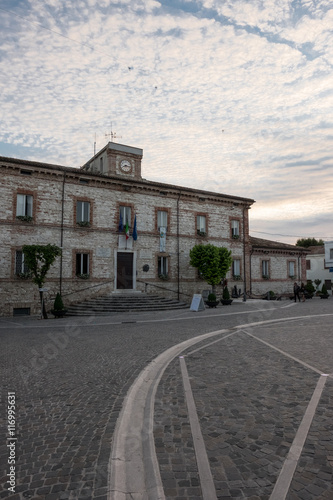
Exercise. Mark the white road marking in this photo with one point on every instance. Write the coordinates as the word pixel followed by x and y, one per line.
pixel 282 485
pixel 205 474
pixel 91 322
pixel 210 343
pixel 133 467
pixel 283 352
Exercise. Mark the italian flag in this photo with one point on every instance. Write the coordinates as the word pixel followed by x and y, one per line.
pixel 127 230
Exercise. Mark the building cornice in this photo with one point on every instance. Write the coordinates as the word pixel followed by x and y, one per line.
pixel 265 246
pixel 158 188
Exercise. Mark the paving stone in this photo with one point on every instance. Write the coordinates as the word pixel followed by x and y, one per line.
pixel 275 420
pixel 250 400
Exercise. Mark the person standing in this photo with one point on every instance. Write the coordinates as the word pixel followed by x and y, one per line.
pixel 296 292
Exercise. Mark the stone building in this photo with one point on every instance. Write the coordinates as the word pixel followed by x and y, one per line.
pixel 87 213
pixel 275 266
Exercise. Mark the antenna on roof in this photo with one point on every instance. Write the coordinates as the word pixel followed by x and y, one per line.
pixel 112 135
pixel 95 145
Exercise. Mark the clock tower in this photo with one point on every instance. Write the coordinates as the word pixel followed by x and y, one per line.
pixel 124 161
pixel 117 160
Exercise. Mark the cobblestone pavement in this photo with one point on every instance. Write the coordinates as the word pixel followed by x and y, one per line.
pixel 250 400
pixel 70 378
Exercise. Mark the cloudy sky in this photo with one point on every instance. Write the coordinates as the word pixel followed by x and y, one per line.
pixel 233 96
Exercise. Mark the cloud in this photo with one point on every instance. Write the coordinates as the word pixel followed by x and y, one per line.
pixel 171 77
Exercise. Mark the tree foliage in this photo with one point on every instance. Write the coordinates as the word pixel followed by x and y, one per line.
pixel 39 259
pixel 309 242
pixel 212 262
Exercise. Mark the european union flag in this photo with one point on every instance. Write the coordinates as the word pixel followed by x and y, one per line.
pixel 135 233
pixel 121 226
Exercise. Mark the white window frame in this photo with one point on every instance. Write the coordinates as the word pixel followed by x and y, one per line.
pixel 126 214
pixel 163 266
pixel 82 263
pixel 235 228
pixel 24 203
pixel 162 219
pixel 265 268
pixel 236 263
pixel 291 268
pixel 82 211
pixel 201 223
pixel 20 266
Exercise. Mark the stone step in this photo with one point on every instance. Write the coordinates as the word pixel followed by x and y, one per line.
pixel 124 303
pixel 129 300
pixel 125 307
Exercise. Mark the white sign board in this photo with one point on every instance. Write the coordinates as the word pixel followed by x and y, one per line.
pixel 197 303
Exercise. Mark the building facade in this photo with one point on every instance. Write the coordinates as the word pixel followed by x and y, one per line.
pixel 319 265
pixel 275 266
pixel 118 232
pixel 80 210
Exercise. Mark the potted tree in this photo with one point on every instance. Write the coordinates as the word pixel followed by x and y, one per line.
pixel 309 290
pixel 39 259
pixel 58 310
pixel 324 294
pixel 226 300
pixel 211 300
pixel 270 295
pixel 212 263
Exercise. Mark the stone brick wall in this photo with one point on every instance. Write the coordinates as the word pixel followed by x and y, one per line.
pixel 54 221
pixel 279 280
pixel 56 191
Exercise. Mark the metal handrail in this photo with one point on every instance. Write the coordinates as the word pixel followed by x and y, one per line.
pixel 163 288
pixel 87 288
pixel 112 281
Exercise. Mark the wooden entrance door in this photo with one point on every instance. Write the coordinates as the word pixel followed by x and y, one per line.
pixel 124 270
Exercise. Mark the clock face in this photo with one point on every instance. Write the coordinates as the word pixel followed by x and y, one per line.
pixel 125 166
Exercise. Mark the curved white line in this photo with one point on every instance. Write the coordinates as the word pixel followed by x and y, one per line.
pixel 133 466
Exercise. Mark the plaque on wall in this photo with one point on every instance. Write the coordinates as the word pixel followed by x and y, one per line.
pixel 146 254
pixel 103 252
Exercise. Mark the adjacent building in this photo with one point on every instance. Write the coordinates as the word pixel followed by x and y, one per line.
pixel 275 266
pixel 319 265
pixel 121 233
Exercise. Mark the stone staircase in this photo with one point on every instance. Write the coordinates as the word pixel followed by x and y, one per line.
pixel 124 303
